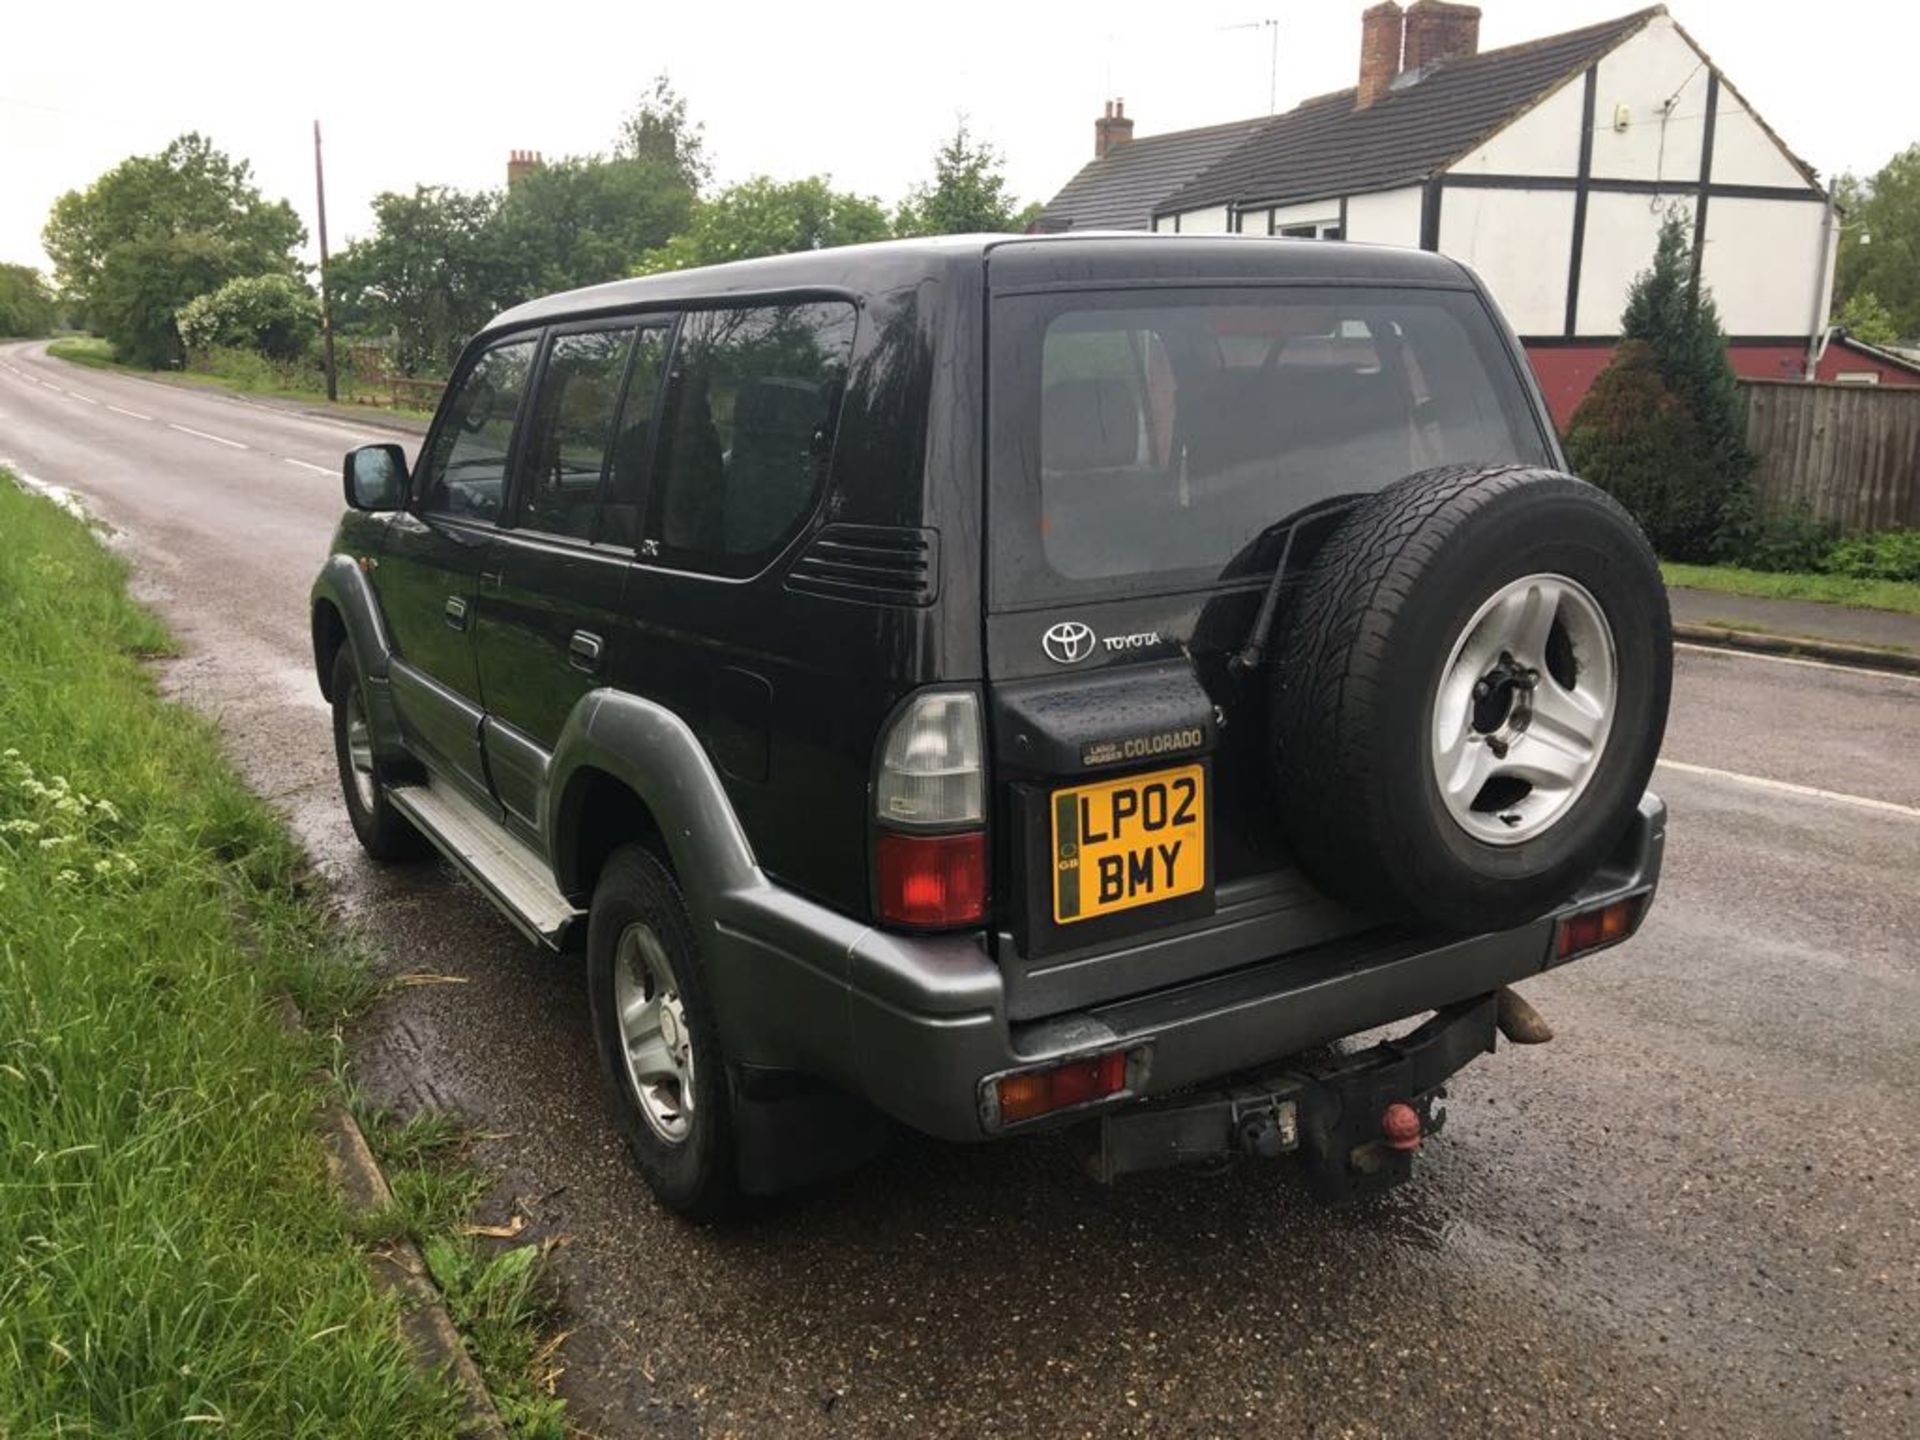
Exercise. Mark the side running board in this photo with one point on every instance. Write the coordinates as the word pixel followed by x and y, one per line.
pixel 508 872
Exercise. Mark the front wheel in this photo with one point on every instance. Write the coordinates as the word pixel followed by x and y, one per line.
pixel 666 1078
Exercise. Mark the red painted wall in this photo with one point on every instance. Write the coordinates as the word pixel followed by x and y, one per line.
pixel 1565 372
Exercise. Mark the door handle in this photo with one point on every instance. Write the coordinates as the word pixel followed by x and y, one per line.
pixel 457 612
pixel 584 650
pixel 491 579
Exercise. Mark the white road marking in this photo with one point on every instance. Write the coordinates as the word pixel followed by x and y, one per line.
pixel 78 396
pixel 1787 787
pixel 1732 653
pixel 132 414
pixel 308 465
pixel 217 439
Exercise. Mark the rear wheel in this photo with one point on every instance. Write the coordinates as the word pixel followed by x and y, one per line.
pixel 1471 694
pixel 383 832
pixel 666 1077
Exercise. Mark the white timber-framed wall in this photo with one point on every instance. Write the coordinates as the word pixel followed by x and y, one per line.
pixel 1560 208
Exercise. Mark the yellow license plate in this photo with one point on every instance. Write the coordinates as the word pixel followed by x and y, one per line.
pixel 1131 842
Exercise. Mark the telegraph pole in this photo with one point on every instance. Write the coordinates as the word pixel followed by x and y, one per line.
pixel 326 299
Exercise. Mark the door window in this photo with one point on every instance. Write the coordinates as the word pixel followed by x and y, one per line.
pixel 466 474
pixel 633 445
pixel 573 421
pixel 750 430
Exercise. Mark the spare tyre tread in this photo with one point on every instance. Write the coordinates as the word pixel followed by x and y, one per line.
pixel 1332 666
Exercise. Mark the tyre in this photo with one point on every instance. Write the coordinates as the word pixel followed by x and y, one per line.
pixel 1470 695
pixel 667 1080
pixel 383 832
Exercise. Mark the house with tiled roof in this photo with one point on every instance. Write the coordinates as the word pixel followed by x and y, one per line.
pixel 1547 166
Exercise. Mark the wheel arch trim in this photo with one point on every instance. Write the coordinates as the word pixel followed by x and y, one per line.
pixel 652 752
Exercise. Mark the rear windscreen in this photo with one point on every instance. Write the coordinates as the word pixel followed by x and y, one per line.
pixel 1155 441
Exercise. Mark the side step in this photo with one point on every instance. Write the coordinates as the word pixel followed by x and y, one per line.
pixel 511 874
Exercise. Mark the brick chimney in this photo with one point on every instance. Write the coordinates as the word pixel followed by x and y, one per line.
pixel 1439 30
pixel 1380 31
pixel 1112 128
pixel 521 164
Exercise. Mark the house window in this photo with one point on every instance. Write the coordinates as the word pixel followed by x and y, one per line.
pixel 1315 230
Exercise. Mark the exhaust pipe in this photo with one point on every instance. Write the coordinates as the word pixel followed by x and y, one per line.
pixel 1519 1021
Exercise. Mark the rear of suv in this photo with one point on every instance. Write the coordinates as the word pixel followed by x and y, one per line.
pixel 1004 683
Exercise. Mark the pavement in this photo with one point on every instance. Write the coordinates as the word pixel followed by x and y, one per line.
pixel 1696 1212
pixel 1812 619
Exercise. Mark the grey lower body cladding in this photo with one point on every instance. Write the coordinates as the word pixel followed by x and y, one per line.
pixel 915 1025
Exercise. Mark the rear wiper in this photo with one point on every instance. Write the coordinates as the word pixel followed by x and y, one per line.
pixel 1250 655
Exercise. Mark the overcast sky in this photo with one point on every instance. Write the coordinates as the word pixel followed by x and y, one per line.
pixel 438 93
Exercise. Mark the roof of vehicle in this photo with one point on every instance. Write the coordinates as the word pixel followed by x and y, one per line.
pixel 1018 261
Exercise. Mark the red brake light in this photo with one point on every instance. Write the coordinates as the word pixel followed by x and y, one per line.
pixel 931 881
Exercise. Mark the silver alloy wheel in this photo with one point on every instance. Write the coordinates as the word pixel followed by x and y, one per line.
pixel 654 1035
pixel 360 751
pixel 1524 709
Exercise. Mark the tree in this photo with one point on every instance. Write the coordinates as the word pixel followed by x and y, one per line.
pixel 968 194
pixel 1702 507
pixel 156 231
pixel 432 273
pixel 659 132
pixel 1865 318
pixel 26 304
pixel 1880 244
pixel 762 216
pixel 273 315
pixel 583 221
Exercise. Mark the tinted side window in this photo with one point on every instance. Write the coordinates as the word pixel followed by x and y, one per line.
pixel 566 452
pixel 632 447
pixel 467 472
pixel 750 429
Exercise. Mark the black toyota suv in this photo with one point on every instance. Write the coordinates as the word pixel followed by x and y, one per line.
pixel 1000 683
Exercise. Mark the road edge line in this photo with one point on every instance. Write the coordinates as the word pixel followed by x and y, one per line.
pixel 1856 657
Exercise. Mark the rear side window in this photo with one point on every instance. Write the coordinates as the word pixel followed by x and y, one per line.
pixel 567 444
pixel 749 429
pixel 1163 442
pixel 466 474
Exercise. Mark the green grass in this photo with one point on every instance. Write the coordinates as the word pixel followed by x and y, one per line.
pixel 248 375
pixel 1898 595
pixel 499 1298
pixel 173 1257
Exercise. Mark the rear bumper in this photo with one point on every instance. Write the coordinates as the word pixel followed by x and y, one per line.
pixel 925 1020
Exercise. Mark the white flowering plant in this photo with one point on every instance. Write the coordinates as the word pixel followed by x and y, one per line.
pixel 46 825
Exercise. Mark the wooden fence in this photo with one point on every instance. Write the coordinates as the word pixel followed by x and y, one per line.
pixel 1850 452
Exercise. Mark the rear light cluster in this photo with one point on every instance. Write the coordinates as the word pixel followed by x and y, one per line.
pixel 1596 929
pixel 930 806
pixel 1028 1094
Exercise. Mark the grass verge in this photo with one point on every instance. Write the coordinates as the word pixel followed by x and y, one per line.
pixel 1902 596
pixel 258 379
pixel 173 1257
pixel 497 1297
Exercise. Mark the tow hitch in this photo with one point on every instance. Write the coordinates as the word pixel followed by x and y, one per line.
pixel 1355 1122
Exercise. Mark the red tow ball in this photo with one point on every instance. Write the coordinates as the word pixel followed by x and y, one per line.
pixel 1400 1124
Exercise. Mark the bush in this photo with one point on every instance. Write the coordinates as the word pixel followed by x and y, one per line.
pixel 1790 541
pixel 1890 555
pixel 274 315
pixel 1636 439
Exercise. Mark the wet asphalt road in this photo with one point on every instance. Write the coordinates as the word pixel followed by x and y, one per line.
pixel 1696 1212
